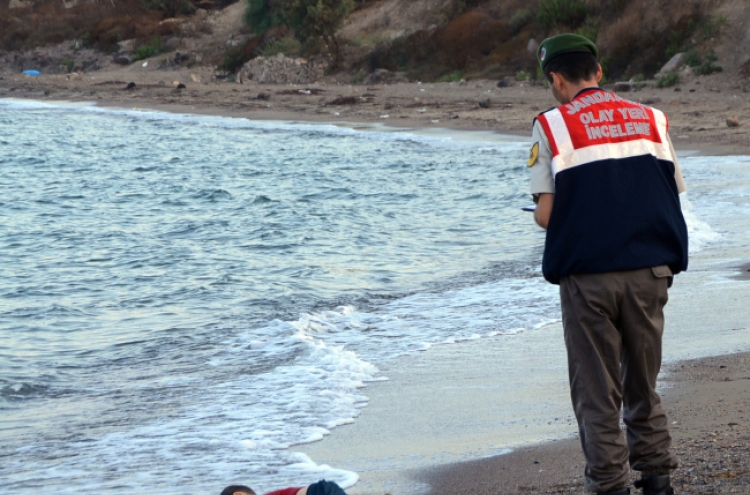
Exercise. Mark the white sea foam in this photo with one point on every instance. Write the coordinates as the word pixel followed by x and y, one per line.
pixel 336 354
pixel 376 132
pixel 292 382
pixel 700 233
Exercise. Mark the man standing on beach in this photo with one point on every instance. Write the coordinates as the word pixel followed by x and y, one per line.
pixel 606 182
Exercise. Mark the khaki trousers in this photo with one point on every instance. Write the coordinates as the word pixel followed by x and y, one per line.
pixel 613 324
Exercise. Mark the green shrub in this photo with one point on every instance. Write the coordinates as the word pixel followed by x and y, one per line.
pixel 452 77
pixel 677 38
pixel 261 15
pixel 561 13
pixel 148 50
pixel 289 46
pixel 638 82
pixel 523 75
pixel 359 77
pixel 706 69
pixel 712 27
pixel 668 80
pixel 316 19
pixel 232 59
pixel 692 59
pixel 707 66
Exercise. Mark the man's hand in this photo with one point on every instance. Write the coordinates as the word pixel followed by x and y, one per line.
pixel 544 209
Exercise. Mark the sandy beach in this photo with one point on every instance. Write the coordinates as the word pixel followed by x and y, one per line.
pixel 466 400
pixel 446 418
pixel 698 109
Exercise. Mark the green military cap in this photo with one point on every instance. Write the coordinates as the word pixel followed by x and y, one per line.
pixel 564 43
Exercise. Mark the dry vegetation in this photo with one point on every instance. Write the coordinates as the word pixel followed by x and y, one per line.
pixel 51 23
pixel 427 39
pixel 490 38
pixel 98 25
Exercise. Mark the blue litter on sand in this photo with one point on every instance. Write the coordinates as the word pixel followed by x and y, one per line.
pixel 31 72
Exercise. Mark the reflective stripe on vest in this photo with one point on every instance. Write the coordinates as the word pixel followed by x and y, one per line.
pixel 599 125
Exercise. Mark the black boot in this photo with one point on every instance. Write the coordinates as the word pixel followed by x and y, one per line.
pixel 655 485
pixel 619 491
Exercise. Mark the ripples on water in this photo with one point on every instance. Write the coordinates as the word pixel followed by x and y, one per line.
pixel 155 267
pixel 182 298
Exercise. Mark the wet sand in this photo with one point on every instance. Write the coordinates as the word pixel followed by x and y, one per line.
pixel 475 399
pixel 708 403
pixel 441 407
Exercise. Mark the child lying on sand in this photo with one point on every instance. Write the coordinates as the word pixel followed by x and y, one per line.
pixel 322 487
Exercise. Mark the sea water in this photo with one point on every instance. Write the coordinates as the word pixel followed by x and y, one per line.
pixel 185 297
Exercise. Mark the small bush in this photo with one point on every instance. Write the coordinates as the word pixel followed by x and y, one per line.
pixel 289 46
pixel 692 59
pixel 452 77
pixel 359 77
pixel 523 75
pixel 232 59
pixel 712 27
pixel 668 80
pixel 561 13
pixel 260 16
pixel 678 37
pixel 315 18
pixel 148 50
pixel 638 82
pixel 707 66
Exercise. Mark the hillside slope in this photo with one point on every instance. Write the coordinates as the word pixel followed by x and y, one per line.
pixel 426 39
pixel 492 37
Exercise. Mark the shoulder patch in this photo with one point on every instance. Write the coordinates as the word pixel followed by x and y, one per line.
pixel 533 155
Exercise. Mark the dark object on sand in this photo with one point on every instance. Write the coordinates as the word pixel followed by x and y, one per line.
pixel 503 84
pixel 263 96
pixel 486 103
pixel 733 122
pixel 179 58
pixel 130 86
pixel 345 100
pixel 180 86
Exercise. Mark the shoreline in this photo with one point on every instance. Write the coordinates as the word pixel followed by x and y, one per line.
pixel 437 426
pixel 708 406
pixel 697 114
pixel 557 458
